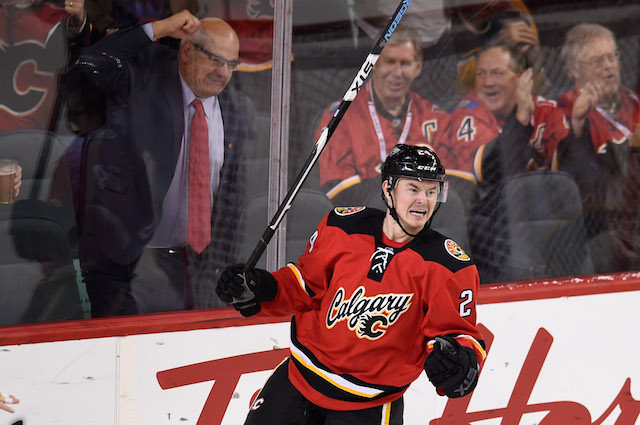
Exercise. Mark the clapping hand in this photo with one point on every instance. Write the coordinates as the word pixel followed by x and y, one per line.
pixel 588 99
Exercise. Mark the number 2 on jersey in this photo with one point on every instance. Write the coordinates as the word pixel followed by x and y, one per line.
pixel 467 298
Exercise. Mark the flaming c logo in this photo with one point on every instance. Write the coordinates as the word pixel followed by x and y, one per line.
pixel 455 251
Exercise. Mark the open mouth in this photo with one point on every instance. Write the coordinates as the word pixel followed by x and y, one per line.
pixel 491 95
pixel 418 213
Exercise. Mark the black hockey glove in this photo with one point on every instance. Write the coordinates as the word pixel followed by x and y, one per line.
pixel 245 291
pixel 452 368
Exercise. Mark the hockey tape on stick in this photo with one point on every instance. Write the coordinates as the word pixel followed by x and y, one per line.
pixel 354 88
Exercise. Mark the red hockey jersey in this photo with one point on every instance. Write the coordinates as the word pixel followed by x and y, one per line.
pixel 34 50
pixel 603 127
pixel 354 152
pixel 473 125
pixel 365 309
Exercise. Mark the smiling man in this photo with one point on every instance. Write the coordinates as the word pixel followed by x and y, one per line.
pixel 611 110
pixel 602 153
pixel 500 128
pixel 173 109
pixel 385 112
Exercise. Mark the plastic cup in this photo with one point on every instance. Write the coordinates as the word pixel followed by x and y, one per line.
pixel 8 168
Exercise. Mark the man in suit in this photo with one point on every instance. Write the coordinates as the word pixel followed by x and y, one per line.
pixel 161 103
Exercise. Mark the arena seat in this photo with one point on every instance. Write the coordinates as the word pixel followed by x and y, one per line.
pixel 309 207
pixel 255 158
pixel 538 229
pixel 466 190
pixel 36 251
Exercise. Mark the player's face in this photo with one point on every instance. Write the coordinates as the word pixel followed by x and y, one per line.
pixel 414 202
pixel 496 82
pixel 205 77
pixel 599 62
pixel 396 69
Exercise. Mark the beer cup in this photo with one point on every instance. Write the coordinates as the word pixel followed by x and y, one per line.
pixel 8 168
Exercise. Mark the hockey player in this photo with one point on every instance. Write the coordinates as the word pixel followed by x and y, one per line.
pixel 385 113
pixel 499 128
pixel 376 298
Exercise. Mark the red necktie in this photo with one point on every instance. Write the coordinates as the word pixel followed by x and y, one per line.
pixel 199 234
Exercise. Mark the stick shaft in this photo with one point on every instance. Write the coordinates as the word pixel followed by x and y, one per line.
pixel 351 93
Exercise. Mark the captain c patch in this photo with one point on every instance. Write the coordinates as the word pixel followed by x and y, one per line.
pixel 455 251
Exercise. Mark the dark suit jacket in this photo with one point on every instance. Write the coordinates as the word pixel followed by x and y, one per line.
pixel 145 107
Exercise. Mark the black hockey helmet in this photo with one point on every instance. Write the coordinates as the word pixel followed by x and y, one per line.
pixel 413 162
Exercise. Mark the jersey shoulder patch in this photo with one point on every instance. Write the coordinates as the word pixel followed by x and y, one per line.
pixel 443 250
pixel 356 220
pixel 453 249
pixel 348 210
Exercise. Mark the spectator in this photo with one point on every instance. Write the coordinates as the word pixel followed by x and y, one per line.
pixel 6 400
pixel 154 93
pixel 39 39
pixel 479 24
pixel 385 113
pixel 604 117
pixel 499 128
pixel 598 103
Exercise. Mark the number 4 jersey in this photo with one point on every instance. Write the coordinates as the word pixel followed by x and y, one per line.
pixel 474 126
pixel 366 308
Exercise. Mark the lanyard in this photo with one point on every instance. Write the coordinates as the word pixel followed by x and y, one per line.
pixel 617 124
pixel 378 127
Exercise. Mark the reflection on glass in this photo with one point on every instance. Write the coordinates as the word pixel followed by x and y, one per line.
pixel 536 125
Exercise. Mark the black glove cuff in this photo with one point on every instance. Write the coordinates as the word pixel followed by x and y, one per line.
pixel 266 287
pixel 249 308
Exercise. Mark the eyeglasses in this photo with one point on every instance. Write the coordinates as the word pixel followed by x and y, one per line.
pixel 599 61
pixel 217 60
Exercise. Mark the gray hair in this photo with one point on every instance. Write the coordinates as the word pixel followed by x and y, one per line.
pixel 578 37
pixel 406 34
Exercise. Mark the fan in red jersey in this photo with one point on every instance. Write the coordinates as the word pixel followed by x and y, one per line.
pixel 499 128
pixel 376 298
pixel 603 152
pixel 385 112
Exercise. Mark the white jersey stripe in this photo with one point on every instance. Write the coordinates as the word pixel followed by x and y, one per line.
pixel 299 277
pixel 332 378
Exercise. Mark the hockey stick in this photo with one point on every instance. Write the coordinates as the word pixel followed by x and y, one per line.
pixel 351 93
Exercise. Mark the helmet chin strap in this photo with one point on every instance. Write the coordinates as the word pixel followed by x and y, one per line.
pixel 394 214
